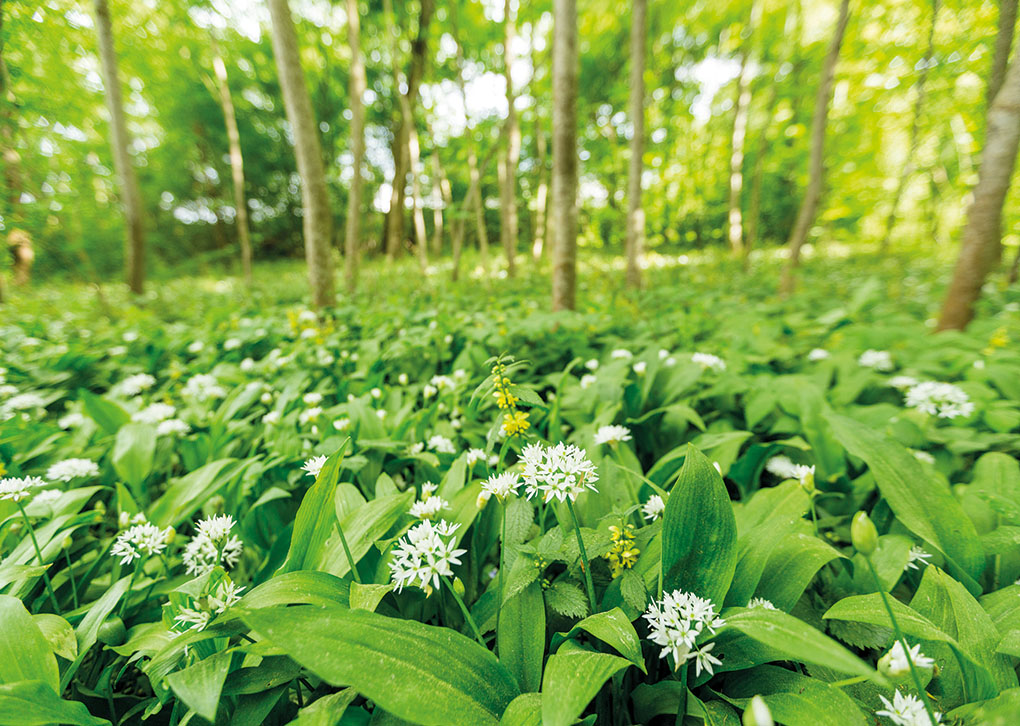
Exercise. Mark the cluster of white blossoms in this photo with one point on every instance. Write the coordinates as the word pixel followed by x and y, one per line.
pixel 761 603
pixel 653 508
pixel 782 467
pixel 20 403
pixel 559 472
pixel 939 399
pixel 587 380
pixel 879 360
pixel 621 354
pixel 69 469
pixel 441 444
pixel 896 664
pixel 309 414
pixel 173 427
pixel 500 486
pixel 154 413
pixel 818 354
pixel 15 488
pixel 677 622
pixel 707 361
pixel 612 434
pixel 429 505
pixel 71 420
pixel 213 545
pixel 224 595
pixel 133 385
pixel 907 710
pixel 140 540
pixel 902 382
pixel 202 387
pixel 425 554
pixel 917 556
pixel 314 465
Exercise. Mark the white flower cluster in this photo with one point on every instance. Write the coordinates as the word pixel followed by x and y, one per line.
pixel 441 444
pixel 314 465
pixel 653 508
pixel 425 554
pixel 69 469
pixel 154 413
pixel 677 622
pixel 133 385
pixel 212 546
pixel 762 603
pixel 140 540
pixel 501 485
pixel 202 387
pixel 707 361
pixel 20 402
pixel 15 489
pixel 173 427
pixel 429 506
pixel 879 360
pixel 612 434
pixel 895 663
pixel 223 596
pixel 939 399
pixel 907 710
pixel 559 472
pixel 782 467
pixel 917 556
pixel 818 354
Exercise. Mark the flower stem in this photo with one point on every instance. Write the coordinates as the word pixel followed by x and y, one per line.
pixel 584 557
pixel 347 550
pixel 848 681
pixel 127 593
pixel 464 611
pixel 38 553
pixel 502 559
pixel 906 649
pixel 681 709
pixel 70 574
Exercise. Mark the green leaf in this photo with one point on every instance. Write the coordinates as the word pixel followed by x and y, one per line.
pixel 133 452
pixel 795 699
pixel 367 597
pixel 927 509
pixel 315 519
pixel 521 636
pixel 306 587
pixel 572 678
pixel 325 711
pixel 362 527
pixel 185 495
pixel 613 628
pixel 567 599
pixel 25 655
pixel 199 685
pixel 525 710
pixel 87 631
pixel 429 675
pixel 59 634
pixel 519 517
pixel 699 532
pixel 35 703
pixel 107 414
pixel 791 567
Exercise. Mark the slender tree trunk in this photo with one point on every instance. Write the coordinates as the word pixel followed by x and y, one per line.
pixel 357 87
pixel 542 193
pixel 809 205
pixel 443 198
pixel 915 130
pixel 563 220
pixel 420 238
pixel 982 235
pixel 474 195
pixel 635 239
pixel 1014 269
pixel 236 161
pixel 120 141
pixel 740 114
pixel 8 154
pixel 508 165
pixel 1003 45
pixel 317 219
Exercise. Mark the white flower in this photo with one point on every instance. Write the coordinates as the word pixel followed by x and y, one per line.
pixel 459 374
pixel 172 427
pixel 416 448
pixel 192 618
pixel 248 365
pixel 818 354
pixel 117 350
pixel 196 347
pixel 72 420
pixel 653 508
pixel 231 344
pixel 592 364
pixel 425 554
pixel 979 364
pixel 17 488
pixel 428 391
pixel 587 380
pixel 621 354
pixel 342 424
pixel 895 663
pixel 880 360
pixel 212 546
pixel 782 467
pixel 428 489
pixel 902 382
pixel 273 417
pixel 308 316
pixel 559 472
pixel 923 456
pixel 69 469
pixel 501 485
pixel 140 540
pixel 47 497
pixel 663 354
pixel 640 367
pixel 202 387
pixel 226 595
pixel 939 399
pixel 760 602
pixel 309 414
pixel 308 333
pixel 707 361
pixel 759 713
pixel 907 711
pixel 402 379
pixel 24 402
pixel 447 338
pixel 314 465
pixel 130 336
pixel 441 445
pixel 428 507
pixel 917 556
pixel 312 399
pixel 380 414
pixel 474 455
pixel 266 398
pixel 442 382
pixel 612 434
pixel 133 385
pixel 677 622
pixel 154 413
pixel 492 461
pixel 376 393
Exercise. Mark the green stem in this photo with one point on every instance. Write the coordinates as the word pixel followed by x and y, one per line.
pixel 467 615
pixel 584 557
pixel 70 574
pixel 38 554
pixel 848 681
pixel 502 552
pixel 903 642
pixel 681 709
pixel 347 550
pixel 127 593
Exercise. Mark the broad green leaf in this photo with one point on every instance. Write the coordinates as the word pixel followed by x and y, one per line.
pixel 107 414
pixel 199 685
pixel 521 637
pixel 133 451
pixel 525 710
pixel 999 711
pixel 795 699
pixel 996 479
pixel 325 711
pixel 572 678
pixel 429 675
pixel 59 634
pixel 367 597
pixel 87 631
pixel 699 532
pixel 25 655
pixel 613 628
pixel 185 495
pixel 791 567
pixel 316 518
pixel 362 527
pixel 306 587
pixel 35 703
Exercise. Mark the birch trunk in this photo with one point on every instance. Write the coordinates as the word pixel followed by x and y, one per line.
pixel 635 239
pixel 357 86
pixel 563 219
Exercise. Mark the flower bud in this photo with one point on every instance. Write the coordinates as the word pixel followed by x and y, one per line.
pixel 170 534
pixel 67 542
pixel 124 519
pixel 483 499
pixel 112 632
pixel 757 713
pixel 458 587
pixel 863 534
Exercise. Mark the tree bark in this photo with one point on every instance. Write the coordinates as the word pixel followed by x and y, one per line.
pixel 982 234
pixel 915 130
pixel 317 219
pixel 740 114
pixel 443 198
pixel 809 205
pixel 120 142
pixel 420 238
pixel 236 161
pixel 563 220
pixel 357 86
pixel 508 164
pixel 635 240
pixel 542 193
pixel 1003 45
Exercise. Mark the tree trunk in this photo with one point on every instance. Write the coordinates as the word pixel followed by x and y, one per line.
pixel 442 196
pixel 317 219
pixel 420 238
pixel 508 165
pixel 809 205
pixel 635 239
pixel 8 154
pixel 563 220
pixel 357 87
pixel 120 141
pixel 982 235
pixel 542 193
pixel 1003 44
pixel 915 130
pixel 236 161
pixel 741 110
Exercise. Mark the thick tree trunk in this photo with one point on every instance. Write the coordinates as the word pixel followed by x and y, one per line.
pixel 317 219
pixel 563 219
pixel 120 141
pixel 635 239
pixel 743 105
pixel 809 205
pixel 508 164
pixel 1003 44
pixel 915 130
pixel 982 235
pixel 236 162
pixel 357 87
